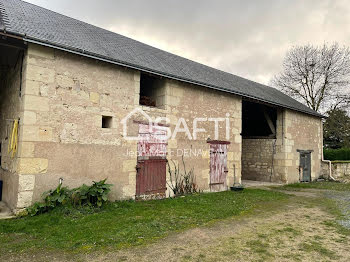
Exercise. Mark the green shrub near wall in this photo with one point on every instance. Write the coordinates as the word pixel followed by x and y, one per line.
pixel 337 154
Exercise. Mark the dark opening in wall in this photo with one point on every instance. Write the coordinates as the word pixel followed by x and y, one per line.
pixel 107 121
pixel 258 120
pixel 152 91
pixel 11 62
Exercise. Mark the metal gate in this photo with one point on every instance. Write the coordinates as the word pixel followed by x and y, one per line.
pixel 218 166
pixel 305 166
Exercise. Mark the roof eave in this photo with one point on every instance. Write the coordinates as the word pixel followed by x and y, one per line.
pixel 147 70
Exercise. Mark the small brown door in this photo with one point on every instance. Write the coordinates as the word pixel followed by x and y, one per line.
pixel 151 178
pixel 218 167
pixel 151 162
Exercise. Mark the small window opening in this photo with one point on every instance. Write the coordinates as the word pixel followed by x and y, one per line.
pixel 106 122
pixel 152 91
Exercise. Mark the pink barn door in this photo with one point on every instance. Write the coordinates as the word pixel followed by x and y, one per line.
pixel 218 166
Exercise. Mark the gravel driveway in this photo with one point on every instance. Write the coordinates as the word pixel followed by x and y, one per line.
pixel 342 199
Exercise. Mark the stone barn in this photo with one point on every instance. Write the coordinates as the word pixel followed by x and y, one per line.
pixel 92 104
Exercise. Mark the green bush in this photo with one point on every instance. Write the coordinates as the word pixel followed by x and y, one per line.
pixel 337 154
pixel 53 198
pixel 92 196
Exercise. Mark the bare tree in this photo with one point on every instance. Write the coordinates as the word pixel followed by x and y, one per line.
pixel 317 76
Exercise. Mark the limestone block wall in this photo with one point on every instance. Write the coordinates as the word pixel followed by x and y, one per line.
pixel 61 136
pixel 65 97
pixel 10 109
pixel 302 132
pixel 277 160
pixel 264 159
pixel 257 159
pixel 190 102
pixel 325 169
pixel 340 171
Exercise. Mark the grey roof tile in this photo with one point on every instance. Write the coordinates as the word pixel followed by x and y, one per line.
pixel 45 26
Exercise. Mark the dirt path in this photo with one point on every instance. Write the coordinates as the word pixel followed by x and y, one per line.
pixel 298 230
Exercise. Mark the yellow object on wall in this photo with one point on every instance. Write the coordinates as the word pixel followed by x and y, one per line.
pixel 12 146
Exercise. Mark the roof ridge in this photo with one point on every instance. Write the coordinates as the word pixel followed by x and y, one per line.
pixel 43 26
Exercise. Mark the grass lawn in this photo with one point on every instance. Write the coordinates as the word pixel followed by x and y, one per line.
pixel 125 223
pixel 319 185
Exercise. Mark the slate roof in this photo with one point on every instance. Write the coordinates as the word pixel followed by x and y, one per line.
pixel 42 26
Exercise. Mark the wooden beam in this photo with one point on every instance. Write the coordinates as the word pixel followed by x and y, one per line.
pixel 269 121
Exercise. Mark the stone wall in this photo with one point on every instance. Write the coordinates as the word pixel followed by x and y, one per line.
pixel 340 171
pixel 302 132
pixel 190 102
pixel 65 97
pixel 257 159
pixel 61 134
pixel 324 169
pixel 263 159
pixel 295 131
pixel 10 109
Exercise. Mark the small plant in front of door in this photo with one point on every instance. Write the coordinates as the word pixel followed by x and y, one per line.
pixel 181 183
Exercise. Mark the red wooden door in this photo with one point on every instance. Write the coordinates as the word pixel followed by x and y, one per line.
pixel 218 167
pixel 151 178
pixel 151 164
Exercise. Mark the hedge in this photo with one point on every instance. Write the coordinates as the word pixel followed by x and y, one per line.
pixel 337 154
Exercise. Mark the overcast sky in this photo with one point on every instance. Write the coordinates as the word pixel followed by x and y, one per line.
pixel 246 38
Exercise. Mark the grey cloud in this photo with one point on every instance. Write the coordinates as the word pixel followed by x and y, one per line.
pixel 247 38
